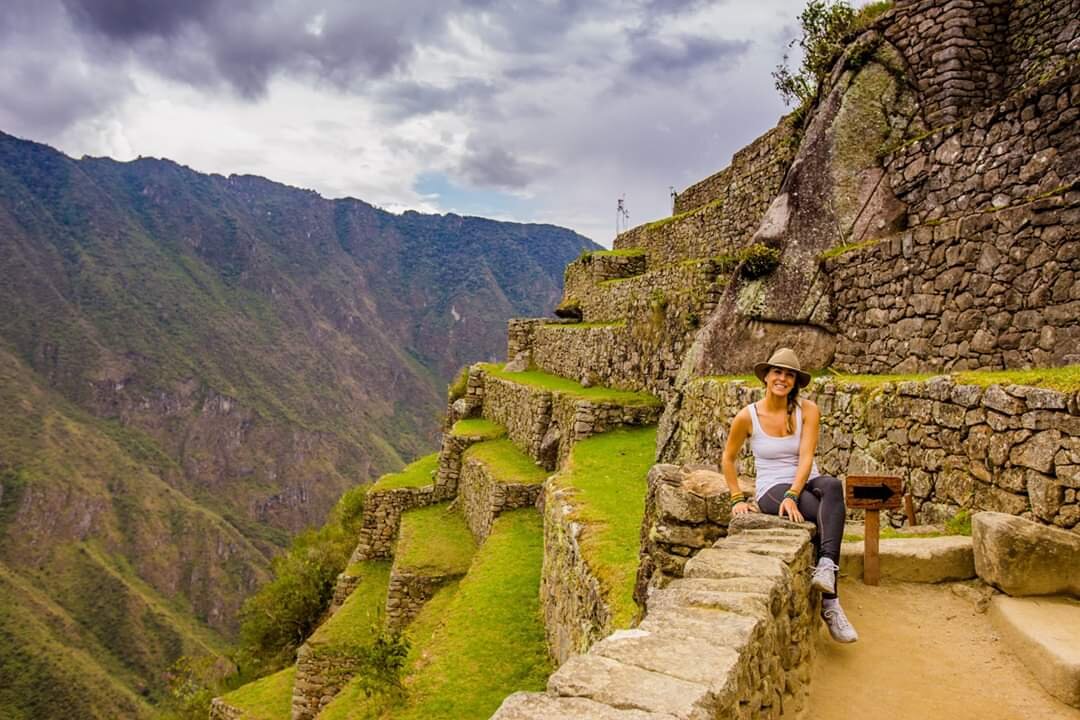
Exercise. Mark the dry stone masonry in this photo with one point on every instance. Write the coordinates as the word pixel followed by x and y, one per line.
pixel 1012 449
pixel 483 496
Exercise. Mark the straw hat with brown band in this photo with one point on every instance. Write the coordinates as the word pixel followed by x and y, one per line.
pixel 787 359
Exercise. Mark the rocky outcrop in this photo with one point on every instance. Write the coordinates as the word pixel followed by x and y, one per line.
pixel 1021 558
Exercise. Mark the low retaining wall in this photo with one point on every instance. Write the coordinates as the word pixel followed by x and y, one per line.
pixel 482 497
pixel 343 587
pixel 221 710
pixel 382 516
pixel 1012 449
pixel 545 425
pixel 407 594
pixel 686 510
pixel 320 676
pixel 733 639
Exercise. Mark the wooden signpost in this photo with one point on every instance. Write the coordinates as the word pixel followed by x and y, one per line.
pixel 872 493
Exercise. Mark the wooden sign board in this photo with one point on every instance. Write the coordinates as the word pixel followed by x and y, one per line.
pixel 873 492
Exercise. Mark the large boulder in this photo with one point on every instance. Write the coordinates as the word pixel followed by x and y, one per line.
pixel 1021 557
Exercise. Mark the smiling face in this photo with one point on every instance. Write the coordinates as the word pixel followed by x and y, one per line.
pixel 780 381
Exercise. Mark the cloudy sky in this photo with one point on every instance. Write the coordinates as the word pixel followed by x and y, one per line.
pixel 529 110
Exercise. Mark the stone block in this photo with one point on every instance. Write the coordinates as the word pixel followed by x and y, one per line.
pixel 1043 633
pixel 927 560
pixel 610 682
pixel 541 706
pixel 1021 557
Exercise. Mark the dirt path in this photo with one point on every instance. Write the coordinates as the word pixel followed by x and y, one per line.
pixel 923 653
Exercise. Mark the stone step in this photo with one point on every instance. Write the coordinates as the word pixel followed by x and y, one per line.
pixel 541 706
pixel 927 559
pixel 496 477
pixel 1044 632
pixel 545 414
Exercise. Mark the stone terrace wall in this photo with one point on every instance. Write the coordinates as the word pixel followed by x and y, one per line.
pixel 692 236
pixel 691 284
pixel 407 593
pixel 734 639
pixel 989 274
pixel 748 184
pixel 995 290
pixel 956 49
pixel 1041 35
pixel 221 710
pixel 1013 449
pixel 320 676
pixel 1008 154
pixel 592 268
pixel 544 425
pixel 483 497
pixel 382 516
pixel 575 612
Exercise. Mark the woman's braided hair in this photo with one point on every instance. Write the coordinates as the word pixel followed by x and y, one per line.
pixel 792 400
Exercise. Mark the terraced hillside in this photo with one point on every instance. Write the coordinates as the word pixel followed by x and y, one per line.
pixel 845 234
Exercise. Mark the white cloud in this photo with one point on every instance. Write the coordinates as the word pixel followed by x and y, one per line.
pixel 565 105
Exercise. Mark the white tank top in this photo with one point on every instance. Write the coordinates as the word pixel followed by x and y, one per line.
pixel 775 458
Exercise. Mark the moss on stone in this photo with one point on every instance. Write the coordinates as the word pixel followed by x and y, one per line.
pixel 624 252
pixel 506 463
pixel 416 474
pixel 268 698
pixel 1064 379
pixel 565 386
pixel 434 540
pixel 757 260
pixel 584 325
pixel 835 252
pixel 607 474
pixel 458 386
pixel 477 428
pixel 663 222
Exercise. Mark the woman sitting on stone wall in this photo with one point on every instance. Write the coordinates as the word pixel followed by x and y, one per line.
pixel 783 434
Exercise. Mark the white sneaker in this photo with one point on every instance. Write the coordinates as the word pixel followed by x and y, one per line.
pixel 824 578
pixel 837 622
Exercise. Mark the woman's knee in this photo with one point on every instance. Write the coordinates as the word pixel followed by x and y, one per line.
pixel 829 485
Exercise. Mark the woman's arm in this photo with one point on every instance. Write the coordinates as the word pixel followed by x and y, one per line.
pixel 811 421
pixel 740 430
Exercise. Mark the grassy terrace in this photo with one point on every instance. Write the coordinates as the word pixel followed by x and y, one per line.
pixel 353 704
pixel 359 618
pixel 1064 379
pixel 585 325
pixel 434 540
pixel 506 463
pixel 477 427
pixel 268 698
pixel 416 474
pixel 491 640
pixel 608 472
pixel 554 383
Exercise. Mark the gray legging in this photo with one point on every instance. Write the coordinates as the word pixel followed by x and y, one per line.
pixel 822 503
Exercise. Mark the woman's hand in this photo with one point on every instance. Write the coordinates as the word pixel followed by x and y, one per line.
pixel 791 509
pixel 741 507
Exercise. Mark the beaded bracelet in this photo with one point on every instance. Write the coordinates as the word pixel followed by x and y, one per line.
pixel 793 495
pixel 737 498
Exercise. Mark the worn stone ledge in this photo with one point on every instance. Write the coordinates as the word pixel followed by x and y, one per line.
pixel 926 560
pixel 734 638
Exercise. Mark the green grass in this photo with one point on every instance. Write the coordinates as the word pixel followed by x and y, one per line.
pixel 608 472
pixel 434 540
pixel 585 325
pixel 269 698
pixel 477 427
pixel 361 614
pixel 491 642
pixel 625 252
pixel 876 381
pixel 554 383
pixel 416 474
pixel 352 704
pixel 848 247
pixel 506 463
pixel 1065 379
